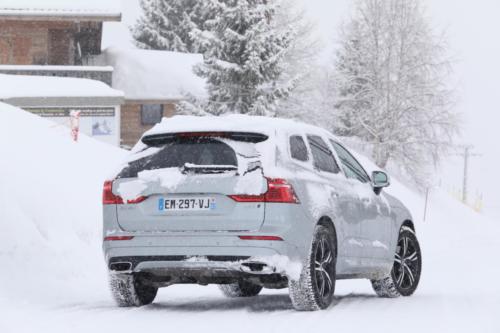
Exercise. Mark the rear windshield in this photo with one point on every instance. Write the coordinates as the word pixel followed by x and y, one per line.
pixel 197 151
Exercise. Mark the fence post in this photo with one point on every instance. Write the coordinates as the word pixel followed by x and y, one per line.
pixel 75 124
pixel 426 202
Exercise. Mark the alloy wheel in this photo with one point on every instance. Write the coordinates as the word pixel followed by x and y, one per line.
pixel 324 269
pixel 406 269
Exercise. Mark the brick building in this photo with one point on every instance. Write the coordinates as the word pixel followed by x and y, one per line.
pixel 63 39
pixel 46 33
pixel 49 56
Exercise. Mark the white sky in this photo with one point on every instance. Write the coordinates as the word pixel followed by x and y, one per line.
pixel 473 28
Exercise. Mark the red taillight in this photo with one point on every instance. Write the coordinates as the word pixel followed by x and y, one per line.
pixel 108 198
pixel 136 201
pixel 278 191
pixel 261 238
pixel 118 238
pixel 248 198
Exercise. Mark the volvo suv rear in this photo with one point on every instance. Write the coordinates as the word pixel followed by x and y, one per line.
pixel 246 203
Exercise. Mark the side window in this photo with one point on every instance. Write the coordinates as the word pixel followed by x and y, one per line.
pixel 298 148
pixel 350 165
pixel 323 157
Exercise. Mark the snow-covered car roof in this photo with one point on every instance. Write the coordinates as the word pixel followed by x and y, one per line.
pixel 277 129
pixel 155 75
pixel 108 10
pixel 233 123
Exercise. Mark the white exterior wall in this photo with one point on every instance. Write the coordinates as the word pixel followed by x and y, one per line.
pixel 100 123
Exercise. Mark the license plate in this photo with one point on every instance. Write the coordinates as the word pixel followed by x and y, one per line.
pixel 186 204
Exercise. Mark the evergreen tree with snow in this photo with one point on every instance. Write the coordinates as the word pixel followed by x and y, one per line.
pixel 249 48
pixel 167 24
pixel 244 58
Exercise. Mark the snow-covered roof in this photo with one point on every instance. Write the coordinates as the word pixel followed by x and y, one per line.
pixel 232 123
pixel 54 68
pixel 155 75
pixel 108 10
pixel 48 89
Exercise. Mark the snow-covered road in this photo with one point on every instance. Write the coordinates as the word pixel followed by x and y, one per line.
pixel 459 292
pixel 53 279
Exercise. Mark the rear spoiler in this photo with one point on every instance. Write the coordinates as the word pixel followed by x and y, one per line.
pixel 158 140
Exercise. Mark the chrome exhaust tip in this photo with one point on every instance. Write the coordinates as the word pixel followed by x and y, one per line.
pixel 120 266
pixel 257 268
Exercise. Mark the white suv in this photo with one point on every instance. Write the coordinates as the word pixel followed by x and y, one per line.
pixel 251 203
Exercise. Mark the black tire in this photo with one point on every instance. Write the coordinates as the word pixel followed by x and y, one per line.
pixel 127 290
pixel 316 286
pixel 405 274
pixel 240 289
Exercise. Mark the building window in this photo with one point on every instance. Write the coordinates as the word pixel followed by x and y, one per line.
pixel 151 114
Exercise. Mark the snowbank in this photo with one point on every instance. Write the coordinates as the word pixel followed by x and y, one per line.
pixel 50 209
pixel 155 75
pixel 53 275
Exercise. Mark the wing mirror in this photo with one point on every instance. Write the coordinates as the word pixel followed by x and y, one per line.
pixel 380 180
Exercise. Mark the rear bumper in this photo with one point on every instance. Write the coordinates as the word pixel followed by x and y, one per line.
pixel 213 265
pixel 164 271
pixel 205 255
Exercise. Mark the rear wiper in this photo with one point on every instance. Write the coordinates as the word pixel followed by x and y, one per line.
pixel 209 169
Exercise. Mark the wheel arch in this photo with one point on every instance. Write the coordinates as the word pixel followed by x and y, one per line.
pixel 409 224
pixel 395 235
pixel 327 222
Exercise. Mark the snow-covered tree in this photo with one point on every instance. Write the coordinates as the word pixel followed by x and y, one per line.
pixel 255 50
pixel 301 64
pixel 167 24
pixel 244 57
pixel 391 78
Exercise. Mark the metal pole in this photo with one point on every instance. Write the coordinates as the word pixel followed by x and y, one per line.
pixel 466 172
pixel 426 202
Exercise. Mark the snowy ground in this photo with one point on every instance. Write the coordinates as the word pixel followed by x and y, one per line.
pixel 53 277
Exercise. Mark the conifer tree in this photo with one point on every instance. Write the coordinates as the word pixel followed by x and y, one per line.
pixel 245 43
pixel 244 58
pixel 167 24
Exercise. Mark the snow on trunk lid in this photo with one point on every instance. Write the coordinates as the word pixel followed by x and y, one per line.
pixel 187 183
